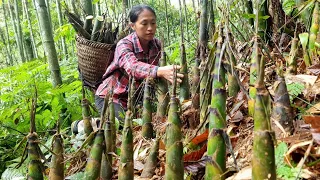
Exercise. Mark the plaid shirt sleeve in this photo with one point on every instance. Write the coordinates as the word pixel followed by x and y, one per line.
pixel 128 61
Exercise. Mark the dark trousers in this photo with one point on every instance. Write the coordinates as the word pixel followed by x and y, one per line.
pixel 119 110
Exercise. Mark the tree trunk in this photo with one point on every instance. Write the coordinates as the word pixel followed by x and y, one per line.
pixel 33 44
pixel 48 42
pixel 63 40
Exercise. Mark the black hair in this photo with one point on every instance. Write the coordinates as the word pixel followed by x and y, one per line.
pixel 137 10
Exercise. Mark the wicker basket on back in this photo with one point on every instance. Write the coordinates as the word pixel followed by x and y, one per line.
pixel 93 60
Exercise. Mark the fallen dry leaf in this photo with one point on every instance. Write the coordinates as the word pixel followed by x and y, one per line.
pixel 195 166
pixel 201 138
pixel 195 155
pixel 244 174
pixel 307 80
pixel 314 69
pixel 138 165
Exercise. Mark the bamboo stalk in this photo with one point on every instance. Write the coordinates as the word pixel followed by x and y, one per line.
pixel 34 48
pixel 93 166
pixel 292 60
pixel 112 118
pixel 86 115
pixel 57 160
pixel 88 24
pixel 167 21
pixel 60 19
pixel 263 160
pixel 233 86
pixel 195 84
pixel 163 95
pixel 186 19
pixel 35 166
pixel 261 24
pixel 174 155
pixel 18 41
pixel 184 85
pixel 96 28
pixel 204 72
pixel 282 111
pixel 87 7
pixel 8 53
pixel 147 129
pixel 253 76
pixel 217 118
pixel 151 163
pixel 106 170
pixel 7 34
pixel 17 11
pixel 126 157
pixel 313 33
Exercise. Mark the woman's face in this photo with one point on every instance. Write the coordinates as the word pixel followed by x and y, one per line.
pixel 145 26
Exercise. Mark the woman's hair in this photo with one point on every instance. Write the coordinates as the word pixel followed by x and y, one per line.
pixel 136 11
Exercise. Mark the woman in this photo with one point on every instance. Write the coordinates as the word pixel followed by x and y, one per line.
pixel 136 55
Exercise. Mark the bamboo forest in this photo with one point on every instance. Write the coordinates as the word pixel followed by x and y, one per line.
pixel 243 102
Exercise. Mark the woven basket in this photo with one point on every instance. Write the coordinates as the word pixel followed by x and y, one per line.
pixel 93 60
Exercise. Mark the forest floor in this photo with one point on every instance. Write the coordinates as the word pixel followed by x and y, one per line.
pixel 297 154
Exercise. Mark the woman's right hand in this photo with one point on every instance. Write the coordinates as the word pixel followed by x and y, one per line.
pixel 166 72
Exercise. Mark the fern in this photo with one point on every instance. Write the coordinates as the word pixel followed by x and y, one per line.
pixel 283 170
pixel 294 89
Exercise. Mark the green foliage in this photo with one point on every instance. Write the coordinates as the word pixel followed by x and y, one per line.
pixel 288 6
pixel 294 89
pixel 17 89
pixel 283 170
pixel 304 40
pixel 13 174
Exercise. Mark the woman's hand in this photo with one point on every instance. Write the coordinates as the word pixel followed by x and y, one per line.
pixel 166 72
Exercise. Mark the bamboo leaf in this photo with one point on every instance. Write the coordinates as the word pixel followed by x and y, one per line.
pixel 304 40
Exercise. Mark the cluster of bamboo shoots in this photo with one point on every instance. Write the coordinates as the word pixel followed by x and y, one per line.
pixel 97 29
